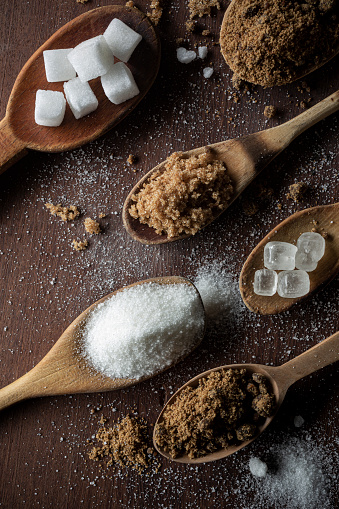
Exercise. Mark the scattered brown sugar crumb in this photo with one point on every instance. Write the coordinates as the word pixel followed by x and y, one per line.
pixel 185 196
pixel 102 215
pixel 80 245
pixel 303 105
pixel 270 111
pixel 126 444
pixel 224 409
pixel 199 8
pixel 82 1
pixel 129 3
pixel 156 12
pixel 92 226
pixel 297 191
pixel 65 213
pixel 272 43
pixel 131 159
pixel 255 199
pixel 206 33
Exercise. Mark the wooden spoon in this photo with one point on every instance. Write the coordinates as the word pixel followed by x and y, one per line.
pixel 280 377
pixel 325 219
pixel 64 370
pixel 244 158
pixel 18 130
pixel 230 13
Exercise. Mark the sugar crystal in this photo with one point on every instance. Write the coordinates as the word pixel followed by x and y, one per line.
pixel 50 108
pixel 207 72
pixel 184 56
pixel 312 243
pixel 121 39
pixel 202 52
pixel 293 283
pixel 265 282
pixel 258 468
pixel 279 256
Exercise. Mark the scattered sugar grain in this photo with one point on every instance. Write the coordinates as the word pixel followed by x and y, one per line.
pixel 207 72
pixel 143 329
pixel 298 421
pixel 202 52
pixel 185 56
pixel 258 468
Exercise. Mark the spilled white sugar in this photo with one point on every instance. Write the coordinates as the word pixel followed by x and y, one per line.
pixel 258 468
pixel 143 329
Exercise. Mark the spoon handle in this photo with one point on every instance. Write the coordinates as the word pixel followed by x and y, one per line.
pixel 324 353
pixel 11 149
pixel 284 134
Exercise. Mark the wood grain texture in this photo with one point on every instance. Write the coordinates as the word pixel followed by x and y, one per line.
pixel 45 284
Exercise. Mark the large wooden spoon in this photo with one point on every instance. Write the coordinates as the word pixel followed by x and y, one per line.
pixel 280 377
pixel 244 158
pixel 18 130
pixel 64 370
pixel 324 219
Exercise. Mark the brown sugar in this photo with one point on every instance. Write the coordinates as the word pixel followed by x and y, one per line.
pixel 156 12
pixel 131 159
pixel 225 409
pixel 80 245
pixel 272 43
pixel 127 444
pixel 65 213
pixel 296 191
pixel 92 226
pixel 270 111
pixel 185 196
pixel 199 8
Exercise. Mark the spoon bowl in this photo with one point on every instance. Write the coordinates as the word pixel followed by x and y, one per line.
pixel 18 130
pixel 324 219
pixel 65 370
pixel 280 379
pixel 244 159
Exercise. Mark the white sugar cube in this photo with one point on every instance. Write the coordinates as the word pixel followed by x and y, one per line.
pixel 49 108
pixel 265 282
pixel 312 243
pixel 207 72
pixel 121 39
pixel 258 468
pixel 202 52
pixel 80 97
pixel 279 256
pixel 184 56
pixel 293 283
pixel 91 58
pixel 119 84
pixel 57 65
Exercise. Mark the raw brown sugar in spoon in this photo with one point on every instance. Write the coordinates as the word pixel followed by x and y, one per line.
pixel 244 158
pixel 128 336
pixel 279 378
pixel 18 130
pixel 325 220
pixel 273 43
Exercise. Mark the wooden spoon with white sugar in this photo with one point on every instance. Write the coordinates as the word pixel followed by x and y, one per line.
pixel 18 130
pixel 244 158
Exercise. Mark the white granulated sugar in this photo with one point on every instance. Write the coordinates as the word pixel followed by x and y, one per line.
pixel 185 56
pixel 143 330
pixel 219 292
pixel 258 468
pixel 298 421
pixel 207 72
pixel 202 52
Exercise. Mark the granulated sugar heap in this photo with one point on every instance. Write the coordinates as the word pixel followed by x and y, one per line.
pixel 144 329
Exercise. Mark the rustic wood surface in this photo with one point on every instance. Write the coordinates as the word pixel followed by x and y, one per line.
pixel 45 284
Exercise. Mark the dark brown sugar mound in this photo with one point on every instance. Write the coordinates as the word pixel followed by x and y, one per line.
pixel 189 194
pixel 270 42
pixel 225 409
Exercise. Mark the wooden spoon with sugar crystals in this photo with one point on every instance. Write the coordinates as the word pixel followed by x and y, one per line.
pixel 64 370
pixel 280 377
pixel 244 158
pixel 18 130
pixel 325 219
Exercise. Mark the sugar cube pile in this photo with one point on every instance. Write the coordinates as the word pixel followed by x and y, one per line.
pixel 57 65
pixel 286 257
pixel 89 60
pixel 50 108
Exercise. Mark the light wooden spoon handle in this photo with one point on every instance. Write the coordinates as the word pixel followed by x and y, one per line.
pixel 284 134
pixel 11 149
pixel 324 353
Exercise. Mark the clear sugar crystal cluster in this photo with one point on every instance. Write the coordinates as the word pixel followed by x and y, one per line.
pixel 285 257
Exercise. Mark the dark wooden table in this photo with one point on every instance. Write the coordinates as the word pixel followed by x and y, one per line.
pixel 45 284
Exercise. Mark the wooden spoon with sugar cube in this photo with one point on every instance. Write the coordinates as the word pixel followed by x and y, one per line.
pixel 18 130
pixel 244 159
